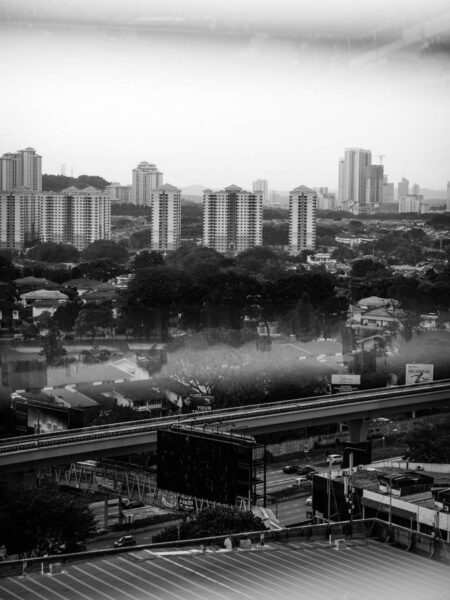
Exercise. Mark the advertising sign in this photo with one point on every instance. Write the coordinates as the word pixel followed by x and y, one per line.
pixel 416 373
pixel 344 382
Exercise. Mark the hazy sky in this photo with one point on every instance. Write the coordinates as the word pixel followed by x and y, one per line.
pixel 216 93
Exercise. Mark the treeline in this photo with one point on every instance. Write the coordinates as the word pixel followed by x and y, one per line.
pixel 56 183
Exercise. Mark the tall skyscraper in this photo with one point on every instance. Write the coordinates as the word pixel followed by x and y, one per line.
pixel 415 190
pixel 232 219
pixel 166 218
pixel 403 188
pixel 302 219
pixel 354 177
pixel 374 176
pixel 146 179
pixel 262 185
pixel 340 196
pixel 21 169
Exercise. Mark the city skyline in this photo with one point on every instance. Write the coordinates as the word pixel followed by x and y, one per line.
pixel 109 91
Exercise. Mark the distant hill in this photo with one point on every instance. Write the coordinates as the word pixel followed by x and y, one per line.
pixel 56 183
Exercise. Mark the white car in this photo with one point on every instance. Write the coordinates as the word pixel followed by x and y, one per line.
pixel 335 459
pixel 308 501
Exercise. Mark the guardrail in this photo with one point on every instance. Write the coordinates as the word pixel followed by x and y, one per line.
pixel 309 532
pixel 222 415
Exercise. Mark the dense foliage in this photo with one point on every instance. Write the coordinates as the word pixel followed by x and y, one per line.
pixel 213 522
pixel 56 183
pixel 429 443
pixel 54 253
pixel 34 520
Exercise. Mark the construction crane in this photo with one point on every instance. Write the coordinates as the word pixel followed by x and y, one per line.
pixel 381 156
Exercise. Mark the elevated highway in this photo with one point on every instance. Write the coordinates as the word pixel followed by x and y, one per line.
pixel 29 452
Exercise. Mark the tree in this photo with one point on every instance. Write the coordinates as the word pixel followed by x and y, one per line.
pixel 101 249
pixel 34 520
pixel 213 522
pixel 428 443
pixel 140 239
pixel 146 259
pixel 52 347
pixel 101 269
pixel 93 318
pixel 369 268
pixel 8 272
pixel 66 315
pixel 54 253
pixel 305 321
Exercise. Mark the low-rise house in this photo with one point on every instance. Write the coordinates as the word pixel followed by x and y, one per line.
pixel 29 298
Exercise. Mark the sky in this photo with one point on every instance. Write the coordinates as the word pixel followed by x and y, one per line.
pixel 217 93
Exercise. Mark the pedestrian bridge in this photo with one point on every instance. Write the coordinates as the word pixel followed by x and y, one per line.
pixel 355 408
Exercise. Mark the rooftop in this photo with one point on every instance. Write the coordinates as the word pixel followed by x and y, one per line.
pixel 281 571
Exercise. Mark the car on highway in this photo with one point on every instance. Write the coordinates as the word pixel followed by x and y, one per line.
pixel 125 540
pixel 335 459
pixel 306 470
pixel 290 469
pixel 308 501
pixel 300 481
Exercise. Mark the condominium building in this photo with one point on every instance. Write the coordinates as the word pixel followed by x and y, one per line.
pixel 232 219
pixel 415 190
pixel 352 177
pixel 403 188
pixel 72 216
pixel 20 218
pixel 119 194
pixel 413 204
pixel 21 169
pixel 165 218
pixel 374 177
pixel 146 179
pixel 302 219
pixel 262 185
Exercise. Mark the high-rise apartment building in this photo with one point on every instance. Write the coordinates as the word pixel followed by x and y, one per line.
pixel 262 185
pixel 340 196
pixel 73 216
pixel 20 218
pixel 302 219
pixel 352 178
pixel 403 188
pixel 374 177
pixel 146 179
pixel 415 190
pixel 166 218
pixel 413 204
pixel 21 169
pixel 119 194
pixel 232 219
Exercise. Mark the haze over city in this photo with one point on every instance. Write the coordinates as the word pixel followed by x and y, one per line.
pixel 218 95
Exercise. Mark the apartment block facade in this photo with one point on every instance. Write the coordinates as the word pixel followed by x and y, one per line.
pixel 232 219
pixel 21 169
pixel 146 179
pixel 302 219
pixel 165 218
pixel 72 216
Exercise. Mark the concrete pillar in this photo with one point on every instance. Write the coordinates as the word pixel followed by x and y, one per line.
pixel 105 512
pixel 357 430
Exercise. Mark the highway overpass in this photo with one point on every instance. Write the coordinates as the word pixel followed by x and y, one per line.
pixel 30 452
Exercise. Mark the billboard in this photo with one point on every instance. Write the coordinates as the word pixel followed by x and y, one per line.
pixel 209 465
pixel 416 373
pixel 344 382
pixel 362 453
